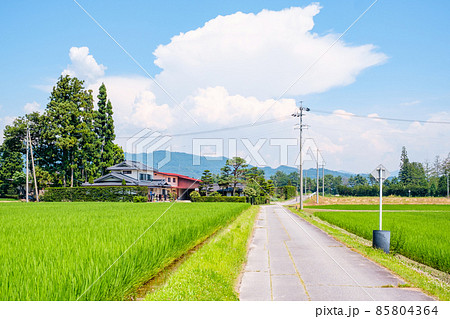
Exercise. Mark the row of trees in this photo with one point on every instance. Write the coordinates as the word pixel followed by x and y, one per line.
pixel 414 179
pixel 234 173
pixel 72 142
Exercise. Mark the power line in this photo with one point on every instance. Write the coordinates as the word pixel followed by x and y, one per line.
pixel 380 117
pixel 284 118
pixel 243 126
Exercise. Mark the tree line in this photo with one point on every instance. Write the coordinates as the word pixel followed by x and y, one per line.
pixel 72 141
pixel 414 179
pixel 236 173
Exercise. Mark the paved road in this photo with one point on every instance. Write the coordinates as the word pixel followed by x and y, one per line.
pixel 290 259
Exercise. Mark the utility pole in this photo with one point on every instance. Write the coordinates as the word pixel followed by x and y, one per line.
pixel 32 166
pixel 26 177
pixel 317 177
pixel 299 114
pixel 323 179
pixel 448 196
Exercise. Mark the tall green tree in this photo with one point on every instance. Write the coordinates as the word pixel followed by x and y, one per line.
pixel 404 174
pixel 68 129
pixel 110 153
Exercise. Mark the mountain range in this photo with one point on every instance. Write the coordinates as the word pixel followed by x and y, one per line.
pixel 194 165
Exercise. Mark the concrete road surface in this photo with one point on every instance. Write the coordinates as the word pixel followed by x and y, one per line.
pixel 290 259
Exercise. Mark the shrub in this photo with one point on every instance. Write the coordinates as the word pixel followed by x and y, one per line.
pixel 139 199
pixel 258 200
pixel 94 194
pixel 233 199
pixel 215 194
pixel 194 195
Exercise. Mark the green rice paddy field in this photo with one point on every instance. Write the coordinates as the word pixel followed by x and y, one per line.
pixel 419 232
pixel 63 251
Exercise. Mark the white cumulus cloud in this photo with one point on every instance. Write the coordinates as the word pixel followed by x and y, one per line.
pixel 261 55
pixel 32 107
pixel 83 65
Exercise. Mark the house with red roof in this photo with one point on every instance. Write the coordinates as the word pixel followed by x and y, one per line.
pixel 180 185
pixel 160 185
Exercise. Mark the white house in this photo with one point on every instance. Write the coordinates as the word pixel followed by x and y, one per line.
pixel 134 173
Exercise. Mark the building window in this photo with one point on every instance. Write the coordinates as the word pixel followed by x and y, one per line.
pixel 149 177
pixel 127 172
pixel 142 177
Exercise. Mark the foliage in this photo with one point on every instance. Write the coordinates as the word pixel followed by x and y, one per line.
pixel 211 272
pixel 110 153
pixel 420 235
pixel 139 199
pixel 94 194
pixel 215 194
pixel 67 147
pixel 258 200
pixel 193 195
pixel 411 173
pixel 237 168
pixel 289 192
pixel 357 180
pixel 233 199
pixel 206 182
pixel 56 251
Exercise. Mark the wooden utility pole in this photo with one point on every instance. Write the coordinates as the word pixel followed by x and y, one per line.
pixel 317 177
pixel 32 166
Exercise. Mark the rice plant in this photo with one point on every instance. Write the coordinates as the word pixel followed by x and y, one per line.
pixel 423 236
pixel 60 251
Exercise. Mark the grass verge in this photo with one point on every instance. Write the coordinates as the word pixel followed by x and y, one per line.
pixel 212 271
pixel 429 280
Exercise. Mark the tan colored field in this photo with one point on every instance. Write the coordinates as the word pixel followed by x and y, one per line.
pixel 375 200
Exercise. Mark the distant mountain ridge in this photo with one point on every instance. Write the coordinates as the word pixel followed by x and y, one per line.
pixel 194 165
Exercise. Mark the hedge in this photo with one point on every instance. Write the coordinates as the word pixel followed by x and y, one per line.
pixel 234 199
pixel 94 194
pixel 259 200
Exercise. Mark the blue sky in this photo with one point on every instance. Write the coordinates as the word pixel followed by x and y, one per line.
pixel 410 80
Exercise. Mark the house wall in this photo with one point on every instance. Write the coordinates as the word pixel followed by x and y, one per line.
pixel 172 180
pixel 135 173
pixel 187 183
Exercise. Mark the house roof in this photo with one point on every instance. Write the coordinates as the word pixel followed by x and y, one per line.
pixel 130 165
pixel 115 179
pixel 180 176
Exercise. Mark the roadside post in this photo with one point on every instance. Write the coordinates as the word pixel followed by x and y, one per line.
pixel 381 238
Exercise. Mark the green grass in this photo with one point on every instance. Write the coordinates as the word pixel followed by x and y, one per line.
pixel 55 251
pixel 415 275
pixel 421 236
pixel 212 271
pixel 8 200
pixel 410 207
